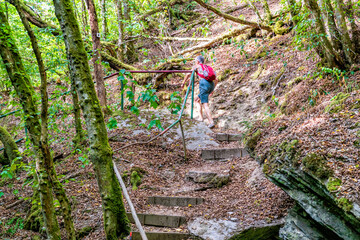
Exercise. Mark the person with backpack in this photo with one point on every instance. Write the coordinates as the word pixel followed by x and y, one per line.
pixel 207 85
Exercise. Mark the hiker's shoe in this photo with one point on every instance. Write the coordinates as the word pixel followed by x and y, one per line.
pixel 211 125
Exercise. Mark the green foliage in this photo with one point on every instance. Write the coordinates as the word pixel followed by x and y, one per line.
pixel 10 227
pixel 83 158
pixel 112 123
pixel 155 121
pixel 148 95
pixel 175 105
pixel 333 184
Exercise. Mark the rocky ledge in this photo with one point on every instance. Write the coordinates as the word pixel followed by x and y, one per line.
pixel 319 213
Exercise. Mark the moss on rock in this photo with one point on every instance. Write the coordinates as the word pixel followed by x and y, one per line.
pixel 295 81
pixel 337 103
pixel 286 152
pixel 279 28
pixel 316 165
pixel 258 72
pixel 252 139
pixel 345 204
pixel 333 184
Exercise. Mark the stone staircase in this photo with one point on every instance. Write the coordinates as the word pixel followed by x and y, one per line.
pixel 161 223
pixel 166 221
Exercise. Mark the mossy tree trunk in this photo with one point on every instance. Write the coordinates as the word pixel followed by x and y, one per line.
pixel 120 17
pixel 254 8
pixel 332 58
pixel 267 11
pixel 104 19
pixel 292 6
pixel 21 82
pixel 345 36
pixel 10 147
pixel 57 187
pixel 115 220
pixel 84 18
pixel 98 71
pixel 79 137
pixel 330 18
pixel 355 29
pixel 129 46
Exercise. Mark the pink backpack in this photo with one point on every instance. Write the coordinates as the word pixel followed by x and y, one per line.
pixel 209 73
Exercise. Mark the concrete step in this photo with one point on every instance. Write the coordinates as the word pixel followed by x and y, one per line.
pixel 224 137
pixel 221 154
pixel 159 220
pixel 164 236
pixel 175 201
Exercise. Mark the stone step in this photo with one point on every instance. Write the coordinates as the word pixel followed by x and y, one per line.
pixel 225 137
pixel 159 220
pixel 175 201
pixel 221 154
pixel 164 236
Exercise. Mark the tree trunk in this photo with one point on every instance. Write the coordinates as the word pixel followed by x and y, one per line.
pixel 254 8
pixel 355 29
pixel 10 147
pixel 345 37
pixel 120 17
pixel 35 19
pixel 129 46
pixel 266 11
pixel 334 32
pixel 58 189
pixel 115 220
pixel 79 137
pixel 104 19
pixel 292 6
pixel 84 18
pixel 332 57
pixel 98 72
pixel 21 82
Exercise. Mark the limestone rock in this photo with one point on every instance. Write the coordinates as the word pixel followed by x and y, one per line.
pixel 212 178
pixel 212 229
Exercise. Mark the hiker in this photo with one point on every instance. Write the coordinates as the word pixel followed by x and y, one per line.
pixel 207 85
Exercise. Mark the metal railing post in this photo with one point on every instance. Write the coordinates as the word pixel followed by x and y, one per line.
pixel 192 93
pixel 183 138
pixel 122 94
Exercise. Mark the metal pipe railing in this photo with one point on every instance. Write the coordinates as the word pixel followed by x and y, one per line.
pixel 190 86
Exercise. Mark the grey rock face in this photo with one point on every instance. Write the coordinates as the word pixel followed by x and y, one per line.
pixel 300 226
pixel 212 178
pixel 212 229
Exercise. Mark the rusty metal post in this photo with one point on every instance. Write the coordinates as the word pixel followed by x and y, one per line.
pixel 183 138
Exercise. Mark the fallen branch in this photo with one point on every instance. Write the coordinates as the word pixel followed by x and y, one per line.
pixel 72 175
pixel 14 204
pixel 233 33
pixel 159 9
pixel 210 18
pixel 180 38
pixel 232 18
pixel 32 17
pixel 115 63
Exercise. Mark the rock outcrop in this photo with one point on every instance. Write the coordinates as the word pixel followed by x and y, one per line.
pixel 318 214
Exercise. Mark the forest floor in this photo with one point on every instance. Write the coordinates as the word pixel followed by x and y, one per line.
pixel 246 93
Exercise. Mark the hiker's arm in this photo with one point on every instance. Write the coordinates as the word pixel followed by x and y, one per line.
pixel 186 78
